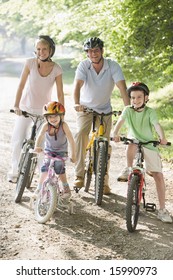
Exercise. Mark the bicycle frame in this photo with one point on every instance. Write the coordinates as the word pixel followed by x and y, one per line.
pixel 28 161
pixel 50 194
pixel 98 155
pixel 136 184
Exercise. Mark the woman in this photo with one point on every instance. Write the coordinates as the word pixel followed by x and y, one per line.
pixel 35 89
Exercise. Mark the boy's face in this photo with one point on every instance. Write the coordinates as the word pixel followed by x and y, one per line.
pixel 138 98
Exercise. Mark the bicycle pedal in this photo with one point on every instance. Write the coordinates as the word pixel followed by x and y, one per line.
pixel 76 189
pixel 122 180
pixel 150 207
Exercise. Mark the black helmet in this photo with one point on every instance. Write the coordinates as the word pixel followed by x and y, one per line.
pixel 138 86
pixel 93 42
pixel 50 41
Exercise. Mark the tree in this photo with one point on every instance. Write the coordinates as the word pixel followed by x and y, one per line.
pixel 137 33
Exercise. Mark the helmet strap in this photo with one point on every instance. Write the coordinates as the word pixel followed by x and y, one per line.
pixel 136 109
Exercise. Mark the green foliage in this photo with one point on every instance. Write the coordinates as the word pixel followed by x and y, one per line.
pixel 162 101
pixel 68 71
pixel 138 34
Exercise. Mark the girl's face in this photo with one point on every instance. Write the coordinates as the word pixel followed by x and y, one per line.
pixel 42 50
pixel 138 98
pixel 54 120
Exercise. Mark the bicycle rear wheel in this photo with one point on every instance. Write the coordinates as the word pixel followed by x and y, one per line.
pixel 45 203
pixel 88 171
pixel 133 203
pixel 24 170
pixel 101 162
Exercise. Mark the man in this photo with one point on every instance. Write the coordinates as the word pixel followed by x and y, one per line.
pixel 95 79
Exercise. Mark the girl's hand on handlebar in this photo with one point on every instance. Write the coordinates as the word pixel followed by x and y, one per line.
pixel 73 158
pixel 38 150
pixel 17 111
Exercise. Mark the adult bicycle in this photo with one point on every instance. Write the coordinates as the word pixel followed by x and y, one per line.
pixel 50 195
pixel 28 160
pixel 97 154
pixel 137 185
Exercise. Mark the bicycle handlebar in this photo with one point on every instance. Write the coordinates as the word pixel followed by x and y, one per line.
pixel 135 141
pixel 89 110
pixel 26 114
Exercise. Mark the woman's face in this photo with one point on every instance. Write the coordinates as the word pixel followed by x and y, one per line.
pixel 42 50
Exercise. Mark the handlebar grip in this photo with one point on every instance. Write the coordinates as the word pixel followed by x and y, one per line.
pixel 24 113
pixel 168 144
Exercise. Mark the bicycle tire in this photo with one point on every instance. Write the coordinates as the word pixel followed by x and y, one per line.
pixel 31 171
pixel 88 171
pixel 24 168
pixel 133 203
pixel 101 161
pixel 46 204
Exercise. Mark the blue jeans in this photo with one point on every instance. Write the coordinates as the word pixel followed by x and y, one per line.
pixel 59 166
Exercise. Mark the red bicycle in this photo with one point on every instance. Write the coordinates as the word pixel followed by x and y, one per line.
pixel 136 185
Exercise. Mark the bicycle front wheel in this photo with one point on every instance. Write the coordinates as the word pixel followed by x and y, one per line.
pixel 24 170
pixel 101 161
pixel 31 171
pixel 133 203
pixel 88 170
pixel 45 203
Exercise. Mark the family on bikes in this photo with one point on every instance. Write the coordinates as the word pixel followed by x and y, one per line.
pixel 95 80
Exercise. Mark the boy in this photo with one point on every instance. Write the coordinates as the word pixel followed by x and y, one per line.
pixel 140 120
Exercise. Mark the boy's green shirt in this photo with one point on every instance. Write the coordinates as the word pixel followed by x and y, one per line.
pixel 140 124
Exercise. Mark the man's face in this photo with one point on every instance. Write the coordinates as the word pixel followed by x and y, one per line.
pixel 95 54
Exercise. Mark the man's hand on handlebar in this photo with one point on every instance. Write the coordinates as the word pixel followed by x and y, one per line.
pixel 79 108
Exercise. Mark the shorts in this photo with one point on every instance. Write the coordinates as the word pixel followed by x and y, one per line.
pixel 59 166
pixel 152 160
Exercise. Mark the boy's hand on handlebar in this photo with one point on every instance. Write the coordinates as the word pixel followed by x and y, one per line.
pixel 79 108
pixel 116 138
pixel 163 141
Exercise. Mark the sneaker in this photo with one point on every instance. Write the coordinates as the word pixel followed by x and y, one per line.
pixel 12 178
pixel 123 176
pixel 79 182
pixel 164 216
pixel 66 194
pixel 106 190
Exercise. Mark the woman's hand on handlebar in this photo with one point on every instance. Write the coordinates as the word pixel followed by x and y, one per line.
pixel 17 111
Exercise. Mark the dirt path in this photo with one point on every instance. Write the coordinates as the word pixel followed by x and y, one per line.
pixel 92 232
